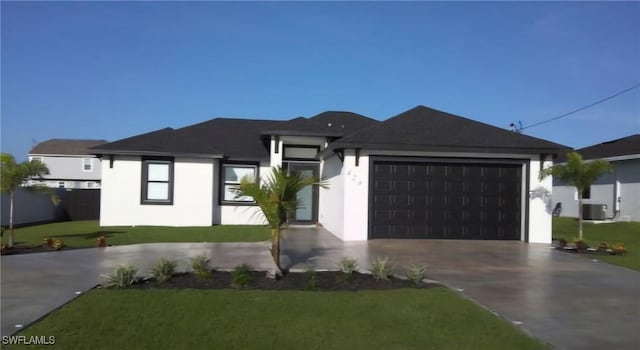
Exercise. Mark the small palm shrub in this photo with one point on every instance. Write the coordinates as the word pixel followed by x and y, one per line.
pixel 241 276
pixel 415 274
pixel 200 266
pixel 618 249
pixel 58 244
pixel 347 266
pixel 101 242
pixel 581 245
pixel 381 268
pixel 164 269
pixel 48 241
pixel 123 277
pixel 311 279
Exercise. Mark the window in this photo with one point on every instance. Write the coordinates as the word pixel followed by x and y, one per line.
pixel 231 176
pixel 87 164
pixel 586 193
pixel 157 181
pixel 61 184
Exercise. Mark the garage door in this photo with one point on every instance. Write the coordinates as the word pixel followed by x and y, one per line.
pixel 445 200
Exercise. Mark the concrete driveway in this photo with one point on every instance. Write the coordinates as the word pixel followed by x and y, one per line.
pixel 33 285
pixel 570 301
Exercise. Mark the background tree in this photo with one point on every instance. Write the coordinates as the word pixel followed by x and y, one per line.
pixel 14 176
pixel 277 198
pixel 579 174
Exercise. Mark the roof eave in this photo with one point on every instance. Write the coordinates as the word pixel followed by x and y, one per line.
pixel 431 148
pixel 100 152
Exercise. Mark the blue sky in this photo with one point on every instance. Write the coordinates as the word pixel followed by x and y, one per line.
pixel 116 69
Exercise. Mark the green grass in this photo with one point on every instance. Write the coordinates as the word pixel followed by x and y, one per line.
pixel 627 233
pixel 434 318
pixel 84 234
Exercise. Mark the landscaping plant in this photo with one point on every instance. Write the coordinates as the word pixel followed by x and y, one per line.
pixel 311 279
pixel 58 244
pixel 618 249
pixel 164 270
pixel 14 176
pixel 123 277
pixel 415 274
pixel 381 268
pixel 101 242
pixel 48 241
pixel 347 266
pixel 277 197
pixel 200 266
pixel 581 245
pixel 241 276
pixel 578 173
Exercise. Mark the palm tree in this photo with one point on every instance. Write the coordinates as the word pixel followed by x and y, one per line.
pixel 578 173
pixel 276 196
pixel 14 176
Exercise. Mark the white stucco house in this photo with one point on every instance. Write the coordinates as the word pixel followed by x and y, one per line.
pixel 421 174
pixel 70 162
pixel 618 190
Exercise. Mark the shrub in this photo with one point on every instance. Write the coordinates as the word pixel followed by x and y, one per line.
pixel 562 243
pixel 123 277
pixel 200 266
pixel 101 242
pixel 163 271
pixel 415 274
pixel 381 268
pixel 241 276
pixel 48 241
pixel 58 244
pixel 348 265
pixel 603 246
pixel 581 245
pixel 311 279
pixel 618 249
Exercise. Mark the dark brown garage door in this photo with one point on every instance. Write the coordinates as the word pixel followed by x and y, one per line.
pixel 445 200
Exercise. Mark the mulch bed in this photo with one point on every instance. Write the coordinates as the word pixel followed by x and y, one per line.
pixel 39 248
pixel 324 281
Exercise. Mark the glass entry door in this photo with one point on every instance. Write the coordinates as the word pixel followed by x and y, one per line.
pixel 307 211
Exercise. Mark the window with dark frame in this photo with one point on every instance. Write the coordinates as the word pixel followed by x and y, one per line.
pixel 157 181
pixel 232 174
pixel 586 193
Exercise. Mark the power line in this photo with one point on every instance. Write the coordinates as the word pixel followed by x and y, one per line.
pixel 579 109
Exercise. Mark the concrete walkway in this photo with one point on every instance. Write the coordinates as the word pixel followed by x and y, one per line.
pixel 564 299
pixel 33 285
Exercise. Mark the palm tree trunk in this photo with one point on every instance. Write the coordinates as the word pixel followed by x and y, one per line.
pixel 275 247
pixel 10 240
pixel 579 214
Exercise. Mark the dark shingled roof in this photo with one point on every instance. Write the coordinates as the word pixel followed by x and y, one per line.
pixel 625 146
pixel 66 146
pixel 233 138
pixel 427 129
pixel 330 124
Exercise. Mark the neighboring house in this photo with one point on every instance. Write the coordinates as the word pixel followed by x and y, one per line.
pixel 618 190
pixel 71 164
pixel 421 174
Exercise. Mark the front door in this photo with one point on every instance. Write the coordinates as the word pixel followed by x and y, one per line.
pixel 307 211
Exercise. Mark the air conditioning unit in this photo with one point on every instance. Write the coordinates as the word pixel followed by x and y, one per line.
pixel 594 211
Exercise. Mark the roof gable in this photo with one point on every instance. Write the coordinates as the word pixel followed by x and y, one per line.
pixel 423 128
pixel 330 124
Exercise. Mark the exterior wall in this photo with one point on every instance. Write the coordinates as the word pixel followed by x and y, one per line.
pixel 356 193
pixel 69 168
pixel 240 214
pixel 619 190
pixel 331 201
pixel 192 193
pixel 540 204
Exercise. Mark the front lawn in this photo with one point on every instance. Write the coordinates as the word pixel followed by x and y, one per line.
pixel 627 233
pixel 79 234
pixel 433 318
